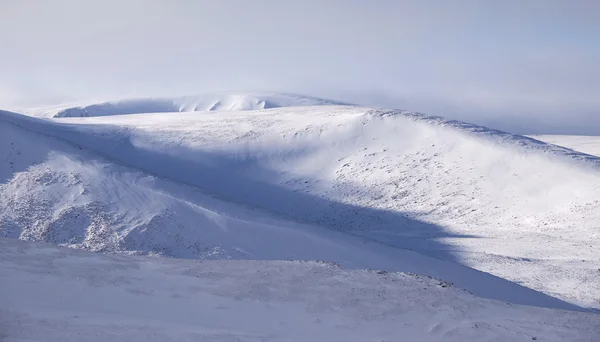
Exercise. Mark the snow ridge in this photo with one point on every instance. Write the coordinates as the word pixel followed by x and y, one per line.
pixel 497 135
pixel 581 143
pixel 200 103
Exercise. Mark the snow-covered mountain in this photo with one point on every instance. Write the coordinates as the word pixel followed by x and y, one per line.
pixel 230 101
pixel 238 185
pixel 61 185
pixel 505 217
pixel 56 294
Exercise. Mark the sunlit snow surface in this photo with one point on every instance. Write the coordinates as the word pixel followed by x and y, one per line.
pixel 505 217
pixel 59 294
pixel 581 143
pixel 217 102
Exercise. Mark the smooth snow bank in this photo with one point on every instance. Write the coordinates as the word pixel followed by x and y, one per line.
pixel 581 143
pixel 65 194
pixel 57 294
pixel 209 102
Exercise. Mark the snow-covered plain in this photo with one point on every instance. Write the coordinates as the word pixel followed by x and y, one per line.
pixel 58 294
pixel 505 217
pixel 581 143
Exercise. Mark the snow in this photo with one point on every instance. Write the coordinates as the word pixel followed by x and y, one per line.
pixel 507 205
pixel 66 195
pixel 505 217
pixel 59 294
pixel 226 101
pixel 581 143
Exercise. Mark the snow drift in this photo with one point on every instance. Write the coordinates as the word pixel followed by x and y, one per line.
pixel 508 205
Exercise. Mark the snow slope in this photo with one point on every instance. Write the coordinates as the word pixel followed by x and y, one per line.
pixel 208 102
pixel 57 294
pixel 581 143
pixel 465 195
pixel 62 193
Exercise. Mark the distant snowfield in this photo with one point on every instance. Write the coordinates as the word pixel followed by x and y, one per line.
pixel 228 101
pixel 58 294
pixel 585 144
pixel 366 188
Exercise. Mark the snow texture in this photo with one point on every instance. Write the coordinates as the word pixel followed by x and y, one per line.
pixel 58 294
pixel 581 143
pixel 504 216
pixel 231 101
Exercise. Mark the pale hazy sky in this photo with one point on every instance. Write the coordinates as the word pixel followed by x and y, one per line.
pixel 519 65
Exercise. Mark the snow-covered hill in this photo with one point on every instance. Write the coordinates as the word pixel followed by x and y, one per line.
pixel 581 143
pixel 460 194
pixel 56 294
pixel 209 102
pixel 66 194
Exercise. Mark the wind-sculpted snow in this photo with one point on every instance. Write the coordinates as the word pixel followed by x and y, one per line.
pixel 56 294
pixel 542 145
pixel 201 103
pixel 457 193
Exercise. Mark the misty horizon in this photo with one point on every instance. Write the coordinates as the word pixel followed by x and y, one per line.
pixel 524 67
